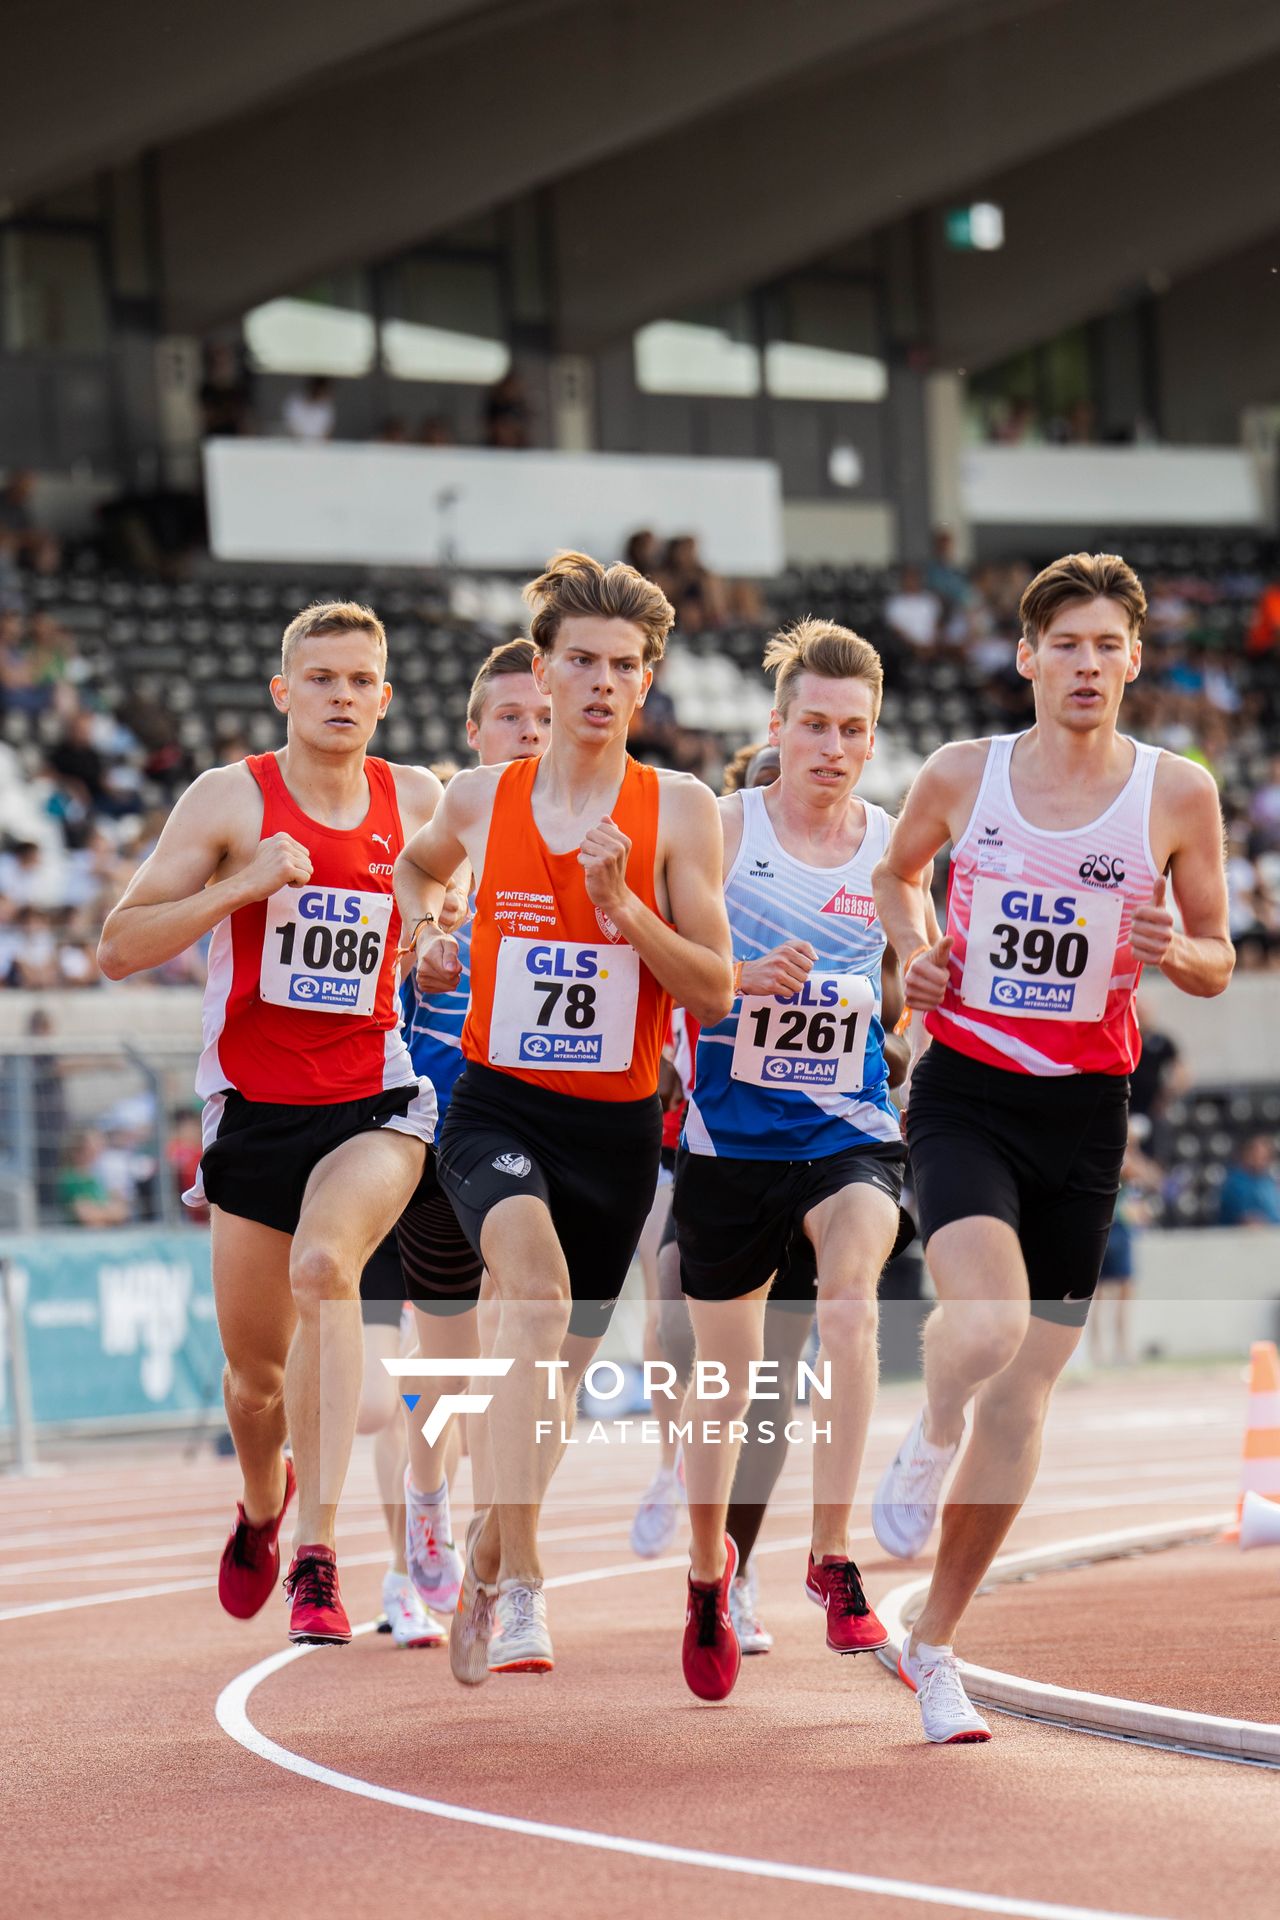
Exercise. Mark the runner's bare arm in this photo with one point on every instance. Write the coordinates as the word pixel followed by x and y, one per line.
pixel 453 837
pixel 173 899
pixel 691 958
pixel 418 792
pixel 732 821
pixel 1200 959
pixel 939 803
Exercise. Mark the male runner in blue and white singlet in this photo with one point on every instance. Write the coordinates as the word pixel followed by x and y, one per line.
pixel 792 1160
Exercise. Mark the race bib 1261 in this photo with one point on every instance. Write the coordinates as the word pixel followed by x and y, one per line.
pixel 564 1006
pixel 816 1038
pixel 323 949
pixel 1040 953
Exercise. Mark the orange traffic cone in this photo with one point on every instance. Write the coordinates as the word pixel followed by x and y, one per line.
pixel 1260 1468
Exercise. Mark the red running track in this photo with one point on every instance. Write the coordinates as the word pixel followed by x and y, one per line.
pixel 127 1795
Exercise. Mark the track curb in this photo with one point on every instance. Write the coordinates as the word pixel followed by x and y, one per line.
pixel 1174 1727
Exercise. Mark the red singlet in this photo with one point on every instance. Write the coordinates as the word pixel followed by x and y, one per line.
pixel 300 1006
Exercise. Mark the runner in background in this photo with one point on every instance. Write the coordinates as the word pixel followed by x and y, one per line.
pixel 428 1258
pixel 1064 841
pixel 315 1124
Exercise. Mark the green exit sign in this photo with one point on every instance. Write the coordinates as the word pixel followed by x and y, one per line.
pixel 975 229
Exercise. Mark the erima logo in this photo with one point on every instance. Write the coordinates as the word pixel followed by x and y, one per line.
pixel 991 837
pixel 762 866
pixel 1106 868
pixel 518 1164
pixel 448 1403
pixel 851 906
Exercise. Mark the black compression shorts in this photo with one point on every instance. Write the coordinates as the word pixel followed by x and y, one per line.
pixel 738 1221
pixel 593 1164
pixel 1041 1154
pixel 426 1258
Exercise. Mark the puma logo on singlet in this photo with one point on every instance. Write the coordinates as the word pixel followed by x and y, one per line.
pixel 383 840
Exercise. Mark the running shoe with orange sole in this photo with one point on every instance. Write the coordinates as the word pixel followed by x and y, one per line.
pixel 318 1618
pixel 250 1564
pixel 711 1655
pixel 834 1584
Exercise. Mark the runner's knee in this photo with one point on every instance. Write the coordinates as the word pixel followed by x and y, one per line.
pixel 317 1275
pixel 987 1333
pixel 847 1326
pixel 255 1388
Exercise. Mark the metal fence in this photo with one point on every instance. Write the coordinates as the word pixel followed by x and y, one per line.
pixel 96 1132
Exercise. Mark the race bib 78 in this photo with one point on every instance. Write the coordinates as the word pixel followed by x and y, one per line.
pixel 563 1005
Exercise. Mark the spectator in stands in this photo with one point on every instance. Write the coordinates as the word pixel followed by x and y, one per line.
pixel 507 414
pixel 1264 628
pixel 16 515
pixel 654 725
pixel 183 1157
pixel 1160 1077
pixel 310 414
pixel 1141 1180
pixel 394 431
pixel 1264 810
pixel 1250 1194
pixel 697 594
pixel 643 553
pixel 1253 912
pixel 913 613
pixel 944 578
pixel 82 1193
pixel 226 393
pixel 34 950
pixel 436 431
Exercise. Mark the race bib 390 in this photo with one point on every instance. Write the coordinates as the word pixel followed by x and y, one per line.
pixel 1040 953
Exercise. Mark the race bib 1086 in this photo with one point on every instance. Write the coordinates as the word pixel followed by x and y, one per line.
pixel 323 949
pixel 1040 953
pixel 816 1038
pixel 564 1006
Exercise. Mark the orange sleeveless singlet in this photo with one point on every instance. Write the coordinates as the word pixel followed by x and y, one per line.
pixel 558 998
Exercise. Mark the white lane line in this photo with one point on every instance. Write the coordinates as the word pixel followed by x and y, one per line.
pixel 232 1715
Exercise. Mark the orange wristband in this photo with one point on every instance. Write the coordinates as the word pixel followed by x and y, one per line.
pixel 738 965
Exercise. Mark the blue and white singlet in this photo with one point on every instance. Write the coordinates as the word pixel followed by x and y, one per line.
pixel 432 1026
pixel 805 1077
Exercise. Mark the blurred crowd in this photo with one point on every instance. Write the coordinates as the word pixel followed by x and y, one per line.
pixel 77 820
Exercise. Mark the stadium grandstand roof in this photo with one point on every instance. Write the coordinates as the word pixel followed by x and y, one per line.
pixel 685 148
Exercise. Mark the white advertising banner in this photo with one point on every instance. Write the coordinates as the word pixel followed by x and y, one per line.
pixel 481 507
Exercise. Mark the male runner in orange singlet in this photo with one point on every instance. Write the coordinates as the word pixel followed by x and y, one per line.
pixel 315 1124
pixel 597 901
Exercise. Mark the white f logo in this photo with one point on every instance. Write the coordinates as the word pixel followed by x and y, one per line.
pixel 449 1403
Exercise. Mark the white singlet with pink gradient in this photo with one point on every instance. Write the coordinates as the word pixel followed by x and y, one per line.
pixel 1042 975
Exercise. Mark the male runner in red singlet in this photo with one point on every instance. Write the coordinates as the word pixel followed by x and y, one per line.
pixel 315 1124
pixel 1062 839
pixel 597 902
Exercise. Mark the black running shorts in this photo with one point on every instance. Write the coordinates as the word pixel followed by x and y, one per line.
pixel 426 1258
pixel 1043 1155
pixel 258 1157
pixel 738 1221
pixel 593 1164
